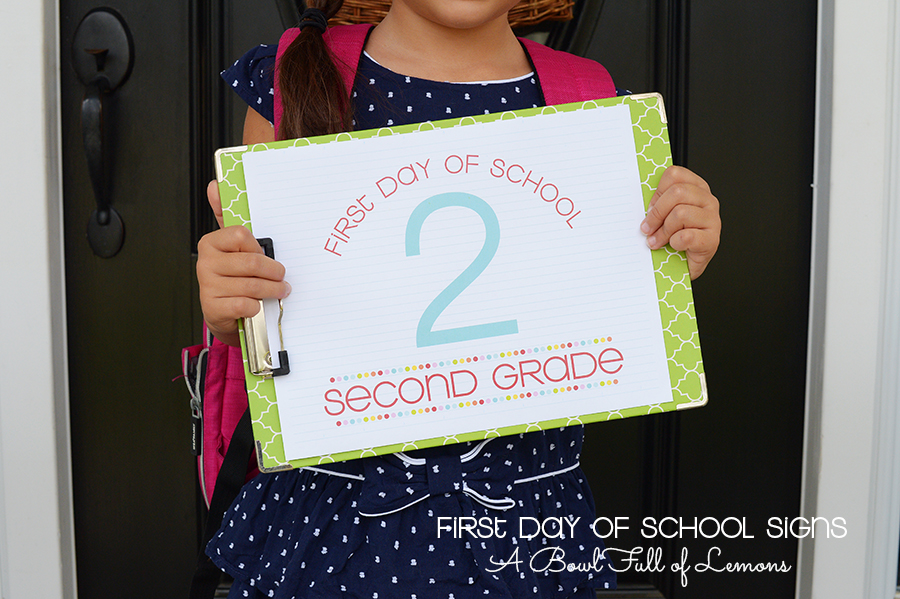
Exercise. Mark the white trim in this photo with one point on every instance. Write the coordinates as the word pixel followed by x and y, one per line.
pixel 502 504
pixel 489 82
pixel 546 474
pixel 884 513
pixel 394 511
pixel 334 473
pixel 37 553
pixel 473 453
pixel 468 456
pixel 852 431
pixel 818 271
pixel 408 460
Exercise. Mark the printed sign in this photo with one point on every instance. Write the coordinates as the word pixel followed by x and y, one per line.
pixel 458 280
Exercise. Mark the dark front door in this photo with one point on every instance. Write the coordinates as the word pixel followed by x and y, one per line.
pixel 739 84
pixel 136 504
pixel 738 80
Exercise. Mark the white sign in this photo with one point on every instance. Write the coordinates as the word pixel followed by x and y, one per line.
pixel 456 280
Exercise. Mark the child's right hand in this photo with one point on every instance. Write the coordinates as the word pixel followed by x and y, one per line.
pixel 234 274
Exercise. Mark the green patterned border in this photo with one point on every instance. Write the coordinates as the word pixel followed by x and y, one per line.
pixel 676 304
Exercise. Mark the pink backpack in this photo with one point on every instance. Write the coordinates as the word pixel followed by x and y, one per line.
pixel 214 372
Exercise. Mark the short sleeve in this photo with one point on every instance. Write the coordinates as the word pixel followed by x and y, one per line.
pixel 252 76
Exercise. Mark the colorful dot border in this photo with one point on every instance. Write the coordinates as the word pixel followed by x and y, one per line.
pixel 346 378
pixel 474 403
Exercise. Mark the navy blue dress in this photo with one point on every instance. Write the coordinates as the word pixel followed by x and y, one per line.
pixel 382 527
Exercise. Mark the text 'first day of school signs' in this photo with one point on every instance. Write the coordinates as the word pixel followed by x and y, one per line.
pixel 463 279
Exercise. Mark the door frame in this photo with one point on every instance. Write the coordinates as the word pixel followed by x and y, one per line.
pixel 852 434
pixel 37 547
pixel 855 247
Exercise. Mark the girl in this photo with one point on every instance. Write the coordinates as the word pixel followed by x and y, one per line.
pixel 345 529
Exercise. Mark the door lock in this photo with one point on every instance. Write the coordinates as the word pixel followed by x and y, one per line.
pixel 102 54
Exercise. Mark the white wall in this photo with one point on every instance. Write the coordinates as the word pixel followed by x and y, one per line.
pixel 852 426
pixel 36 542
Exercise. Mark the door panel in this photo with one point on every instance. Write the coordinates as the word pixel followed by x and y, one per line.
pixel 751 131
pixel 739 83
pixel 136 503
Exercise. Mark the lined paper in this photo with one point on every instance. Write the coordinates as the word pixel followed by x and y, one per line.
pixel 570 267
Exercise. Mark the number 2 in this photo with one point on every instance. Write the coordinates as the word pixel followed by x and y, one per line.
pixel 425 333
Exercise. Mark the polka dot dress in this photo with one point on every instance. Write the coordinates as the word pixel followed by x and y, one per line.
pixel 369 528
pixel 382 98
pixel 382 527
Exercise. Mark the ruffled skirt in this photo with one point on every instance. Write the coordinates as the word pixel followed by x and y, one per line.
pixel 452 522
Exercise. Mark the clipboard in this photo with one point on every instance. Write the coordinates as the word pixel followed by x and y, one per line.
pixel 685 385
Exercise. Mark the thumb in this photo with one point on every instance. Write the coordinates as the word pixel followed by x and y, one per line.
pixel 212 195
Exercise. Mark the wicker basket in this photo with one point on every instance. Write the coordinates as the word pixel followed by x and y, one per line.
pixel 524 14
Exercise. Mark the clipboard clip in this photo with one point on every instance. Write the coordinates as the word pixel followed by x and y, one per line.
pixel 259 356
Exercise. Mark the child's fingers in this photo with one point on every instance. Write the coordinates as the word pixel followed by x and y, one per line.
pixel 675 196
pixel 675 175
pixel 230 263
pixel 681 217
pixel 690 229
pixel 234 274
pixel 232 239
pixel 699 246
pixel 239 296
pixel 684 214
pixel 677 186
pixel 241 307
pixel 261 277
pixel 222 316
pixel 212 196
pixel 696 240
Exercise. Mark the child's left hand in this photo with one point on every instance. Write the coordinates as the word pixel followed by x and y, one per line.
pixel 685 214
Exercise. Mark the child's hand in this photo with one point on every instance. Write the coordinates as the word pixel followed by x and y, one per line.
pixel 684 214
pixel 234 274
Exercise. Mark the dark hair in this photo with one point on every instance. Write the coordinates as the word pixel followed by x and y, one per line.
pixel 313 96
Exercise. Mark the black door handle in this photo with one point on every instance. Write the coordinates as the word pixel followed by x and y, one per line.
pixel 102 54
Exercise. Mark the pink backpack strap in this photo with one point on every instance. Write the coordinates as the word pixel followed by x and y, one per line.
pixel 568 78
pixel 564 77
pixel 346 45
